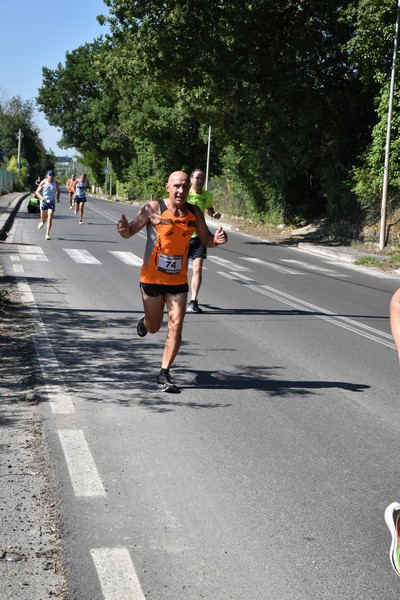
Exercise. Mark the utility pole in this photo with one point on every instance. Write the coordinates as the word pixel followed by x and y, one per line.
pixel 108 174
pixel 382 235
pixel 20 135
pixel 208 154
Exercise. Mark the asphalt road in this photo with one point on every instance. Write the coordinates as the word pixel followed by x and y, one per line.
pixel 268 476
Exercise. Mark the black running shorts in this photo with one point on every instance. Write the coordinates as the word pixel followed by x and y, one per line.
pixel 154 289
pixel 196 248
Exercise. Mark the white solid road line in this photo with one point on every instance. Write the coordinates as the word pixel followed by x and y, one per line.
pixel 117 575
pixel 321 313
pixel 59 399
pixel 85 478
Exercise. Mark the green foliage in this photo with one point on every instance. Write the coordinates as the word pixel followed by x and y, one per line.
pixel 368 261
pixel 15 115
pixel 146 177
pixel 21 182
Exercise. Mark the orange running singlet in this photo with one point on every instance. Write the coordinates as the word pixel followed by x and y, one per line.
pixel 165 259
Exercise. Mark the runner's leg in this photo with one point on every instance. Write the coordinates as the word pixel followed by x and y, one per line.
pixel 197 277
pixel 153 311
pixel 43 217
pixel 49 220
pixel 176 305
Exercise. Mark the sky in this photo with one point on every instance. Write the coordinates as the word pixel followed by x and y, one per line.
pixel 36 34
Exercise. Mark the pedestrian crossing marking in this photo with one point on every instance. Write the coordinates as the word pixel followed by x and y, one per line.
pixel 272 266
pixel 227 264
pixel 81 256
pixel 128 258
pixel 32 253
pixel 241 276
pixel 22 249
pixel 314 267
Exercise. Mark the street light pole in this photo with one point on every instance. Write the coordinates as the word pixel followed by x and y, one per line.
pixel 382 235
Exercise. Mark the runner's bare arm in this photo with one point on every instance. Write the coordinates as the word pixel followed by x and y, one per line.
pixel 208 239
pixel 211 213
pixel 147 214
pixel 395 319
pixel 39 189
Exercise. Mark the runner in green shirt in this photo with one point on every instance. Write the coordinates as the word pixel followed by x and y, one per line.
pixel 197 251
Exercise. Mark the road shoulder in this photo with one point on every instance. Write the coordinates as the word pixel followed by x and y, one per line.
pixel 30 548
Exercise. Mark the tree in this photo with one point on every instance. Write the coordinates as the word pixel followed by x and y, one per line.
pixel 272 78
pixel 75 99
pixel 16 114
pixel 372 56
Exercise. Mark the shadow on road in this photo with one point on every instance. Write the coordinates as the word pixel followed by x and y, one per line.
pixel 101 359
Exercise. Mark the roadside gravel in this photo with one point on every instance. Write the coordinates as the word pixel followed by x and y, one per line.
pixel 30 549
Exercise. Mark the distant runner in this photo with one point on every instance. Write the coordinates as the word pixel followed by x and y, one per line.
pixel 47 192
pixel 80 187
pixel 71 190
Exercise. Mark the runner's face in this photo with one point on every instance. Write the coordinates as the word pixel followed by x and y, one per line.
pixel 198 180
pixel 178 188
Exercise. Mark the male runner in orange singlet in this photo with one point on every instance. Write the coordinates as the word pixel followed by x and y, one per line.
pixel 163 278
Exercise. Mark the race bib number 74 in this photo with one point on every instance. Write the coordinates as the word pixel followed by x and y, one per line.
pixel 169 264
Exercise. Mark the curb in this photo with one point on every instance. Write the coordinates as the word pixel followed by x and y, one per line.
pixel 9 213
pixel 350 257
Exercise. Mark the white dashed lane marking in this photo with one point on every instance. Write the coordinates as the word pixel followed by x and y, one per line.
pixel 84 476
pixel 117 575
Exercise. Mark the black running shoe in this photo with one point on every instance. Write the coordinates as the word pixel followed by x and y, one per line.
pixel 165 383
pixel 140 327
pixel 193 307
